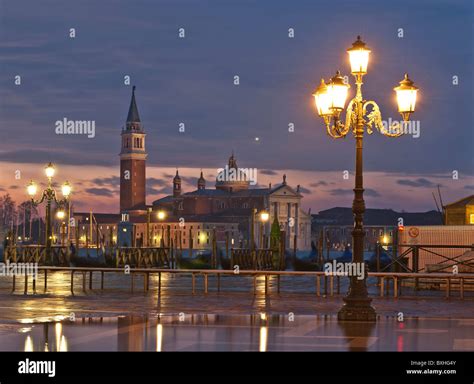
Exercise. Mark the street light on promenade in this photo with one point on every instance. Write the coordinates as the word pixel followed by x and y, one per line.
pixel 61 214
pixel 161 215
pixel 49 195
pixel 264 217
pixel 361 115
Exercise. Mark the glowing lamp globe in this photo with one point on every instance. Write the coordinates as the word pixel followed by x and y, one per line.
pixel 321 98
pixel 66 189
pixel 264 216
pixel 337 91
pixel 406 97
pixel 49 170
pixel 32 189
pixel 359 57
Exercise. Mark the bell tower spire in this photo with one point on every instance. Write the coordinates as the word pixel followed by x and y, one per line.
pixel 133 161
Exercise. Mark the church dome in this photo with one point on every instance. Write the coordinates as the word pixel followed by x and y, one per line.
pixel 232 178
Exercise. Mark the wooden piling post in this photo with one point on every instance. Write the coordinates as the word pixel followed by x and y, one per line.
pixel 194 283
pixel 278 283
pixel 84 281
pixel 448 288
pixel 14 283
pixel 72 281
pixel 205 282
pixel 395 286
pixel 102 280
pixel 45 280
pixel 218 282
pixel 416 258
pixel 159 282
pixel 26 284
pixel 318 286
pixel 382 281
pixel 266 284
pixel 90 280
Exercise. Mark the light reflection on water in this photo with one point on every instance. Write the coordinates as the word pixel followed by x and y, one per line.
pixel 256 332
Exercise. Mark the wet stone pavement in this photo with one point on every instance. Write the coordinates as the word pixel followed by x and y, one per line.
pixel 233 319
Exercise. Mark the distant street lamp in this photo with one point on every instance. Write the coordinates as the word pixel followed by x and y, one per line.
pixel 264 217
pixel 49 195
pixel 148 223
pixel 161 215
pixel 60 216
pixel 361 114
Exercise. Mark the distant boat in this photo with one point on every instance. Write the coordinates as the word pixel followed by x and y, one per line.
pixel 202 260
pixel 91 257
pixel 306 265
pixel 385 260
pixel 346 256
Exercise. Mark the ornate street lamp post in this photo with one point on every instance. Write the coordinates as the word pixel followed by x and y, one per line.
pixel 361 115
pixel 49 195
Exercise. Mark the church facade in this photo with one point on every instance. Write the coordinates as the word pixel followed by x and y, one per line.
pixel 234 201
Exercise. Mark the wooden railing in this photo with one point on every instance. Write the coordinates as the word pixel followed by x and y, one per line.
pixel 408 259
pixel 37 254
pixel 259 259
pixel 146 257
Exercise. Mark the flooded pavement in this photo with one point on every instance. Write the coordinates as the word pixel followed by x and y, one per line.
pixel 259 332
pixel 235 318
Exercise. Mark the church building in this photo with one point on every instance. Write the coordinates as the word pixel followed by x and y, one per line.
pixel 226 209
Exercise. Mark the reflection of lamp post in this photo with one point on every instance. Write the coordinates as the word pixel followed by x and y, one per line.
pixel 49 194
pixel 330 99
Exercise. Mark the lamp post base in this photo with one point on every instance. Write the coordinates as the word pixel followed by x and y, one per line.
pixel 357 310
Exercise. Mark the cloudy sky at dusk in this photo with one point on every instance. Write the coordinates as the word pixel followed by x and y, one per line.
pixel 190 81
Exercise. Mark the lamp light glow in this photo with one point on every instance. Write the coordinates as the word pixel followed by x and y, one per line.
pixel 66 189
pixel 264 216
pixel 406 97
pixel 32 188
pixel 337 91
pixel 321 99
pixel 49 171
pixel 359 57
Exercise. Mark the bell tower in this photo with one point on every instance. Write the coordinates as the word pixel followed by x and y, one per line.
pixel 133 161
